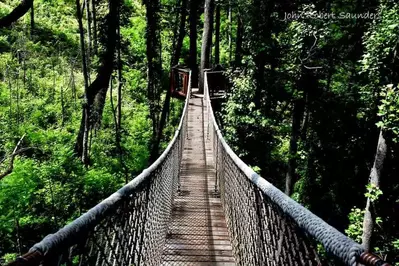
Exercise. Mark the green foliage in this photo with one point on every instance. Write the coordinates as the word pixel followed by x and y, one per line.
pixel 381 42
pixel 332 74
pixel 41 93
pixel 388 110
pixel 355 228
pixel 9 257
pixel 373 192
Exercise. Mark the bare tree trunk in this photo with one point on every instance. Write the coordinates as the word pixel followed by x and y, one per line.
pixel 375 177
pixel 95 45
pixel 16 14
pixel 230 12
pixel 15 153
pixel 120 78
pixel 73 83
pixel 17 228
pixel 240 32
pixel 82 145
pixel 180 34
pixel 154 69
pixel 88 16
pixel 193 42
pixel 10 88
pixel 293 149
pixel 24 69
pixel 206 41
pixel 32 20
pixel 18 110
pixel 62 107
pixel 217 35
pixel 118 121
pixel 96 92
pixel 175 59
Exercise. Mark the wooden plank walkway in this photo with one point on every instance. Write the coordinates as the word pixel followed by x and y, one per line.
pixel 198 233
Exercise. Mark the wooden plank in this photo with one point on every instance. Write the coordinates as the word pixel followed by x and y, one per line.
pixel 199 258
pixel 197 234
pixel 199 263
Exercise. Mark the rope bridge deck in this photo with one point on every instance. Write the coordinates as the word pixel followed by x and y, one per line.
pixel 198 204
pixel 198 233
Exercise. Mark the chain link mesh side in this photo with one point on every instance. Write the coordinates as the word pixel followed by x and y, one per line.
pixel 266 226
pixel 129 227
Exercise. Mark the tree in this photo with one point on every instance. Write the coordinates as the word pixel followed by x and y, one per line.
pixel 206 41
pixel 16 14
pixel 217 35
pixel 96 92
pixel 177 47
pixel 154 65
pixel 193 43
pixel 240 32
pixel 17 151
pixel 82 146
pixel 375 177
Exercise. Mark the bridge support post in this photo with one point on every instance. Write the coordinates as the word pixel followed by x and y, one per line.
pixel 216 166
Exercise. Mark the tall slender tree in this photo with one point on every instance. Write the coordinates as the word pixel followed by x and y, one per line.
pixel 375 177
pixel 206 41
pixel 193 42
pixel 154 67
pixel 180 32
pixel 239 39
pixel 97 90
pixel 217 34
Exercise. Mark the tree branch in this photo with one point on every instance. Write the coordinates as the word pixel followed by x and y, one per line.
pixel 16 152
pixel 16 14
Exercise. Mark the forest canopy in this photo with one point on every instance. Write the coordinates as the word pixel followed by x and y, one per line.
pixel 313 104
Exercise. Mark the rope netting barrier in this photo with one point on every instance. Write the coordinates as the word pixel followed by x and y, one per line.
pixel 127 228
pixel 266 226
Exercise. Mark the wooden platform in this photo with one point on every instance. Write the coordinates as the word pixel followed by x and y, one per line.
pixel 197 234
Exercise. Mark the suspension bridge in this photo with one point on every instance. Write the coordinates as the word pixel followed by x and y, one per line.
pixel 198 204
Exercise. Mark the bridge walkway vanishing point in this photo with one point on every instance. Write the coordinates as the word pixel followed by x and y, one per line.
pixel 198 233
pixel 198 204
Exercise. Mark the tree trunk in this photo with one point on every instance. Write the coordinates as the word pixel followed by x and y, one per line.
pixel 120 79
pixel 95 45
pixel 82 144
pixel 88 17
pixel 180 34
pixel 118 122
pixel 175 59
pixel 96 92
pixel 375 177
pixel 18 235
pixel 193 43
pixel 217 36
pixel 206 41
pixel 230 33
pixel 16 14
pixel 32 20
pixel 297 114
pixel 154 69
pixel 240 32
pixel 259 75
pixel 62 107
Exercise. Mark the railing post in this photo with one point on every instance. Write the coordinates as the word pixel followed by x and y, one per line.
pixel 179 152
pixel 216 166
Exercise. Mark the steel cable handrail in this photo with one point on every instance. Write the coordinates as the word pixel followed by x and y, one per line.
pixel 127 228
pixel 268 227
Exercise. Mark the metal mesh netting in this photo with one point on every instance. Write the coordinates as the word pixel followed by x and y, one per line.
pixel 129 227
pixel 266 226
